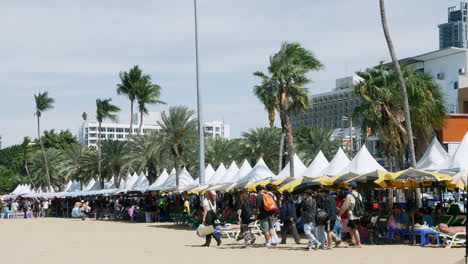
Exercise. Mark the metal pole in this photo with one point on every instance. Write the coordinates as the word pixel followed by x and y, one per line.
pixel 201 149
pixel 350 127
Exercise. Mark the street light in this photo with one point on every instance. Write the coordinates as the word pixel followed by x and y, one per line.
pixel 201 149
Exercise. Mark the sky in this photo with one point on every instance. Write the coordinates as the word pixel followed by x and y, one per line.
pixel 76 49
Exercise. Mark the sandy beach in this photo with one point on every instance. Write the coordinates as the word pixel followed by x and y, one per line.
pixel 55 240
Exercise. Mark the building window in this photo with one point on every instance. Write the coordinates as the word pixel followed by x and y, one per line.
pixel 110 129
pixel 135 130
pixel 119 130
pixel 111 136
pixel 92 142
pixel 103 129
pixel 119 136
pixel 455 85
pixel 92 135
pixel 127 130
pixel 103 136
pixel 92 129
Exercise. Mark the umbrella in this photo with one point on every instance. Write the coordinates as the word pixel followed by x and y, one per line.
pixel 460 179
pixel 368 179
pixel 417 178
pixel 325 180
pixel 197 189
pixel 304 180
pixel 252 187
pixel 341 179
pixel 238 186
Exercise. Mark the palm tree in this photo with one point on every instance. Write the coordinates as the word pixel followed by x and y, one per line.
pixel 219 150
pixel 127 87
pixel 55 167
pixel 178 128
pixel 113 158
pixel 43 103
pixel 104 110
pixel 146 93
pixel 401 82
pixel 25 148
pixel 311 140
pixel 261 142
pixel 288 74
pixel 76 158
pixel 145 154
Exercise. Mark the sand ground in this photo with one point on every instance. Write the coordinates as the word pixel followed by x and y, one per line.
pixel 53 240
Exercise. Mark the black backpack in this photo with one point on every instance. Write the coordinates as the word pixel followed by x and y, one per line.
pixel 321 217
pixel 358 209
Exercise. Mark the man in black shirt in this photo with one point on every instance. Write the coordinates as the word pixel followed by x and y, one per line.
pixel 309 211
pixel 329 205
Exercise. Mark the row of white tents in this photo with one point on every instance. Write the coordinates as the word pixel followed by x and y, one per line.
pixel 435 158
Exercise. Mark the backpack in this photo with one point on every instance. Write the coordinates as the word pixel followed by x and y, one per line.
pixel 358 209
pixel 247 213
pixel 321 217
pixel 269 203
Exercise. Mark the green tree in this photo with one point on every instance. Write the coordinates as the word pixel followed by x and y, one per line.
pixel 127 87
pixel 146 93
pixel 288 71
pixel 178 128
pixel 104 110
pixel 26 154
pixel 76 158
pixel 310 140
pixel 55 166
pixel 61 140
pixel 9 179
pixel 12 158
pixel 113 158
pixel 383 111
pixel 43 103
pixel 219 150
pixel 261 143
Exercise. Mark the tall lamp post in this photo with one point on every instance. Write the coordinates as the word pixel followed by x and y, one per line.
pixel 201 144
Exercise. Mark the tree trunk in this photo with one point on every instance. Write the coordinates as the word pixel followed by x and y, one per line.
pixel 117 179
pixel 43 154
pixel 404 93
pixel 271 116
pixel 131 118
pixel 29 175
pixel 140 131
pixel 286 123
pixel 176 166
pixel 101 178
pixel 281 151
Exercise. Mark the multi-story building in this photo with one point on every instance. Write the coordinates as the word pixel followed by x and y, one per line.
pixel 88 133
pixel 331 109
pixel 454 32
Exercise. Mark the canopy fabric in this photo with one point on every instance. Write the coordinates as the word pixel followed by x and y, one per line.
pixel 243 171
pixel 218 176
pixel 131 181
pixel 337 164
pixel 460 179
pixel 253 187
pixel 74 187
pixel 434 158
pixel 209 172
pixel 362 163
pixel 299 168
pixel 239 186
pixel 259 172
pixel 230 173
pixel 141 183
pixel 368 179
pixel 317 166
pixel 184 180
pixel 459 159
pixel 161 179
pixel 89 185
pixel 303 181
pixel 417 178
pixel 341 179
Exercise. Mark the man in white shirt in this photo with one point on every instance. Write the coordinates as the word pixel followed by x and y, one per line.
pixel 45 208
pixel 353 222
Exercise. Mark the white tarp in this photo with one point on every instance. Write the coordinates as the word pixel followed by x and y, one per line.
pixel 218 176
pixel 259 172
pixel 363 163
pixel 299 168
pixel 89 185
pixel 337 164
pixel 131 181
pixel 74 187
pixel 230 173
pixel 141 183
pixel 161 179
pixel 243 171
pixel 317 166
pixel 209 172
pixel 435 157
pixel 459 160
pixel 184 180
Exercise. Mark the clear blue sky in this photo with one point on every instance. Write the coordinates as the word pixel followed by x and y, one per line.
pixel 75 50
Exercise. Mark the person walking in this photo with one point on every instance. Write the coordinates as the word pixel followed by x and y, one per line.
pixel 329 205
pixel 288 217
pixel 353 205
pixel 245 215
pixel 210 217
pixel 45 208
pixel 309 211
pixel 265 207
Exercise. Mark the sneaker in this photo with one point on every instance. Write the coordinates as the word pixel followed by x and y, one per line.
pixel 253 241
pixel 316 245
pixel 338 243
pixel 267 245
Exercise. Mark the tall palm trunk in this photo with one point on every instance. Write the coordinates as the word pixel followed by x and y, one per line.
pixel 404 93
pixel 101 178
pixel 29 175
pixel 131 118
pixel 177 169
pixel 140 131
pixel 286 124
pixel 43 153
pixel 281 151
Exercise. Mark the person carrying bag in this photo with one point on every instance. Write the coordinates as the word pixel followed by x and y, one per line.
pixel 210 218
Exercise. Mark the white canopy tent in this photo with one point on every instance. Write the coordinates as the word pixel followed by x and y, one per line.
pixel 363 163
pixel 259 172
pixel 317 166
pixel 209 172
pixel 243 171
pixel 89 185
pixel 435 157
pixel 299 168
pixel 161 179
pixel 337 164
pixel 459 160
pixel 230 173
pixel 142 183
pixel 218 176
pixel 184 180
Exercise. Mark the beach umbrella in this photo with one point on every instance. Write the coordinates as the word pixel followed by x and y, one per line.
pixel 460 179
pixel 417 178
pixel 290 186
pixel 341 179
pixel 253 187
pixel 368 180
pixel 283 181
pixel 238 186
pixel 221 187
pixel 325 180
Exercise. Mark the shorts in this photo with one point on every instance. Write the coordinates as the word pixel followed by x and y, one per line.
pixel 329 226
pixel 353 224
pixel 266 224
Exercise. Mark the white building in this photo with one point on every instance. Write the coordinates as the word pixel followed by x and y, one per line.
pixel 448 68
pixel 88 132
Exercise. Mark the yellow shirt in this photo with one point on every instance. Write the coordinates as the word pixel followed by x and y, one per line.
pixel 186 206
